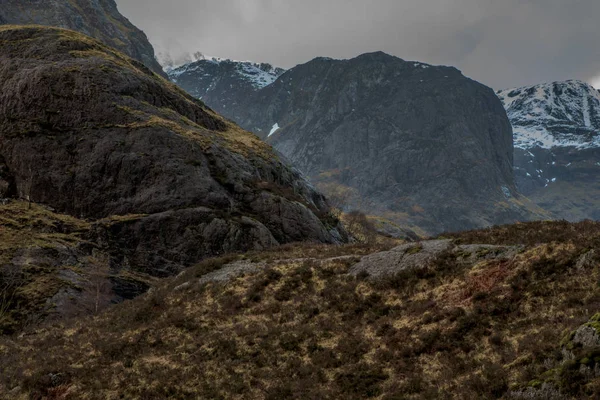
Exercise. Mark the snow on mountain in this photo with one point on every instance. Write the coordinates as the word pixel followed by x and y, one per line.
pixel 559 114
pixel 556 131
pixel 258 75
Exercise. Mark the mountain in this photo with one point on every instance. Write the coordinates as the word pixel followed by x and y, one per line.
pixel 421 145
pixel 557 146
pixel 125 167
pixel 223 83
pixel 507 312
pixel 96 18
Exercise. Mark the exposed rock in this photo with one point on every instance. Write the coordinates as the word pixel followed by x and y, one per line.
pixel 407 256
pixel 420 145
pixel 97 18
pixel 587 260
pixel 162 243
pixel 578 362
pixel 586 336
pixel 94 134
pixel 420 255
pixel 231 270
pixel 46 257
pixel 545 392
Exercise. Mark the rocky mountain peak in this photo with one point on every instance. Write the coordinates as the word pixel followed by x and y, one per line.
pixel 556 128
pixel 220 82
pixel 558 114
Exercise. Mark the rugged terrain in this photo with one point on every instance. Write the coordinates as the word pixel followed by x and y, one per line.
pixel 223 83
pixel 96 18
pixel 557 146
pixel 505 312
pixel 148 179
pixel 421 145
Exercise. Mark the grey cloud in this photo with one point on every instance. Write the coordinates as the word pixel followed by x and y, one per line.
pixel 501 43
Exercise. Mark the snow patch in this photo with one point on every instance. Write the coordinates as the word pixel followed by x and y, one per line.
pixel 586 112
pixel 274 129
pixel 259 75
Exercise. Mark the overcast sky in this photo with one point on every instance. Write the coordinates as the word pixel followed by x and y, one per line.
pixel 501 43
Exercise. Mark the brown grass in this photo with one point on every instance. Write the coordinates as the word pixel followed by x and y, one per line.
pixel 306 329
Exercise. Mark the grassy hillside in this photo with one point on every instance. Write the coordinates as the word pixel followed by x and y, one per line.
pixel 49 267
pixel 295 324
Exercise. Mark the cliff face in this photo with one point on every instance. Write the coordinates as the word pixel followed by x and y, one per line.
pixel 94 134
pixel 96 18
pixel 557 146
pixel 421 145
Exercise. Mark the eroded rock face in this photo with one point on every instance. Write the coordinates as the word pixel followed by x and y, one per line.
pixel 97 18
pixel 421 145
pixel 95 134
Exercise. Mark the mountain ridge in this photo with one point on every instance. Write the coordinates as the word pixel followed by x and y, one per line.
pixel 557 146
pixel 557 114
pixel 229 79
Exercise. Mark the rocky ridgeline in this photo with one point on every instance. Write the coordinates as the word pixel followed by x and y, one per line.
pixel 223 83
pixel 557 146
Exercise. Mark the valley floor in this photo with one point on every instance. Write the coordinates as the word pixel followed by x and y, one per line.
pixel 471 322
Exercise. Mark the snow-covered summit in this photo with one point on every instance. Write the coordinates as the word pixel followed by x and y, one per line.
pixel 258 75
pixel 559 114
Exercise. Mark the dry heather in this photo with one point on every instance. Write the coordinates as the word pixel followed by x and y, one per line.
pixel 303 328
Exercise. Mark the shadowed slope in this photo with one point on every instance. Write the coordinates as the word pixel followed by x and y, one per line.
pixel 93 133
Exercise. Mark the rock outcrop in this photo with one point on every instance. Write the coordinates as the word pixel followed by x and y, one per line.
pixel 165 181
pixel 421 145
pixel 96 18
pixel 421 255
pixel 557 146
